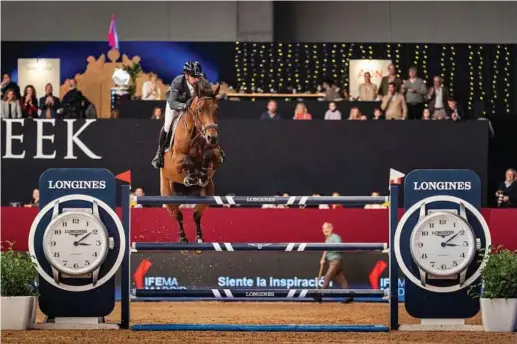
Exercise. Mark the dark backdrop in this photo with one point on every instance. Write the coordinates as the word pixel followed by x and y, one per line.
pixel 264 157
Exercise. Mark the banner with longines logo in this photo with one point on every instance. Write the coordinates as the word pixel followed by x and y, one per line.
pixel 253 270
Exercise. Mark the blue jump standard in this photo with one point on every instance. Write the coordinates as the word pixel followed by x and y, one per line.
pixel 260 328
pixel 231 293
pixel 230 247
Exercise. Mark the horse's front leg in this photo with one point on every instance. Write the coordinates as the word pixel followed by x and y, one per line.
pixel 198 212
pixel 186 165
pixel 205 165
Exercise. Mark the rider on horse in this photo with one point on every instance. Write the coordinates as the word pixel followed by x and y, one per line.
pixel 179 97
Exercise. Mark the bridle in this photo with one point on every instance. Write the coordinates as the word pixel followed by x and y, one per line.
pixel 198 126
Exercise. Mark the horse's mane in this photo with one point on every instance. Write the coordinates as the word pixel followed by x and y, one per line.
pixel 204 88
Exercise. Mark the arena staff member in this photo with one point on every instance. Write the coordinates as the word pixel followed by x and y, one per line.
pixel 334 258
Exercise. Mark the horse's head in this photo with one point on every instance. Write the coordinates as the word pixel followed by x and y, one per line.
pixel 205 111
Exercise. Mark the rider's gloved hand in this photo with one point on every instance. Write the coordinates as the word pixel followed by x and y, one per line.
pixel 188 103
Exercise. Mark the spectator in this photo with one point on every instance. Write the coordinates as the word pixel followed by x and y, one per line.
pixel 10 105
pixel 115 113
pixel 29 102
pixel 271 112
pixel 48 104
pixel 332 113
pixel 331 91
pixel 454 110
pixel 157 113
pixel 34 203
pixel 426 115
pixel 8 84
pixel 377 114
pixel 355 114
pixel 415 90
pixel 506 194
pixel 282 206
pixel 385 81
pixel 230 205
pixel 393 104
pixel 363 118
pixel 367 90
pixel 150 89
pixel 438 96
pixel 73 102
pixel 300 113
pixel 139 192
pixel 335 206
pixel 375 206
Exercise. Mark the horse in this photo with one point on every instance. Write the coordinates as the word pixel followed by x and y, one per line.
pixel 194 154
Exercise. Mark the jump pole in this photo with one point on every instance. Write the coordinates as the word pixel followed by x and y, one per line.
pixel 258 200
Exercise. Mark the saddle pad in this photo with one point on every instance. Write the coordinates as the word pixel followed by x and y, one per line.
pixel 174 125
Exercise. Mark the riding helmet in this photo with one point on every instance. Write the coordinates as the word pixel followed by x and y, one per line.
pixel 193 68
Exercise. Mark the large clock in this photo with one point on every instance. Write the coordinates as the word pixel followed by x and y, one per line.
pixel 443 244
pixel 76 243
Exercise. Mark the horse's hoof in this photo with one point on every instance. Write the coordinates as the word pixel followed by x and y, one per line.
pixel 188 181
pixel 201 183
pixel 198 252
pixel 185 252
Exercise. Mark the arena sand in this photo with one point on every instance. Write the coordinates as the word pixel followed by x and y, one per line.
pixel 257 313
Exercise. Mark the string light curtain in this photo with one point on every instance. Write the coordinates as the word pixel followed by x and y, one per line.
pixel 480 77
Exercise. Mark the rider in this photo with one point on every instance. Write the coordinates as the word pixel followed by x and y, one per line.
pixel 179 97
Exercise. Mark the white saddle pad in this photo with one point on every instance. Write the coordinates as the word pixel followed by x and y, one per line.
pixel 173 130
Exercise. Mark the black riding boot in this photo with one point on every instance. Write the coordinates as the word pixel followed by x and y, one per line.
pixel 158 159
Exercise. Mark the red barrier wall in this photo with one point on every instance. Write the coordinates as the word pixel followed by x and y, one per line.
pixel 261 225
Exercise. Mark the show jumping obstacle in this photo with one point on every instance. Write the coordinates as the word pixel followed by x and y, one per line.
pixel 291 294
pixel 82 303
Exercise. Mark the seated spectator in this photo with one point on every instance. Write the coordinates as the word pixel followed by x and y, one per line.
pixel 394 104
pixel 367 90
pixel 8 84
pixel 454 110
pixel 375 206
pixel 300 113
pixel 271 111
pixel 331 91
pixel 426 115
pixel 73 103
pixel 363 118
pixel 355 114
pixel 49 103
pixel 282 206
pixel 438 96
pixel 377 114
pixel 10 105
pixel 332 113
pixel 335 206
pixel 157 113
pixel 34 203
pixel 29 102
pixel 139 192
pixel 150 89
pixel 115 113
pixel 506 194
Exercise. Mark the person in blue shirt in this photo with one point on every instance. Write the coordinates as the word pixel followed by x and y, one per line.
pixel 334 259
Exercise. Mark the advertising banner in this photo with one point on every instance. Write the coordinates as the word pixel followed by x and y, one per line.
pixel 357 69
pixel 254 270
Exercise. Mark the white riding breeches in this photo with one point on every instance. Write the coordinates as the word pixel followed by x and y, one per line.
pixel 169 117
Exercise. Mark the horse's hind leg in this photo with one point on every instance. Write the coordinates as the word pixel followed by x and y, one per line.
pixel 173 209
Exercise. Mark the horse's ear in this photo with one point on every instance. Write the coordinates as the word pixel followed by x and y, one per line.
pixel 216 91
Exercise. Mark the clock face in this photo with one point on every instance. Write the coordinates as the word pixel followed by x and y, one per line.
pixel 443 244
pixel 75 243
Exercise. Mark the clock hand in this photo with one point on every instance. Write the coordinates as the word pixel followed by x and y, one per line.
pixel 86 244
pixel 452 237
pixel 451 244
pixel 84 237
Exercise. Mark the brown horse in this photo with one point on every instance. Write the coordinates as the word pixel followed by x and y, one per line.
pixel 194 156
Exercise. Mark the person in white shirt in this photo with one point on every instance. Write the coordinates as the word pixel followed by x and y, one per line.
pixel 332 113
pixel 150 89
pixel 438 96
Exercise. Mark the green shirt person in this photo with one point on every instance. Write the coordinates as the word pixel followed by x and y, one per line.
pixel 334 259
